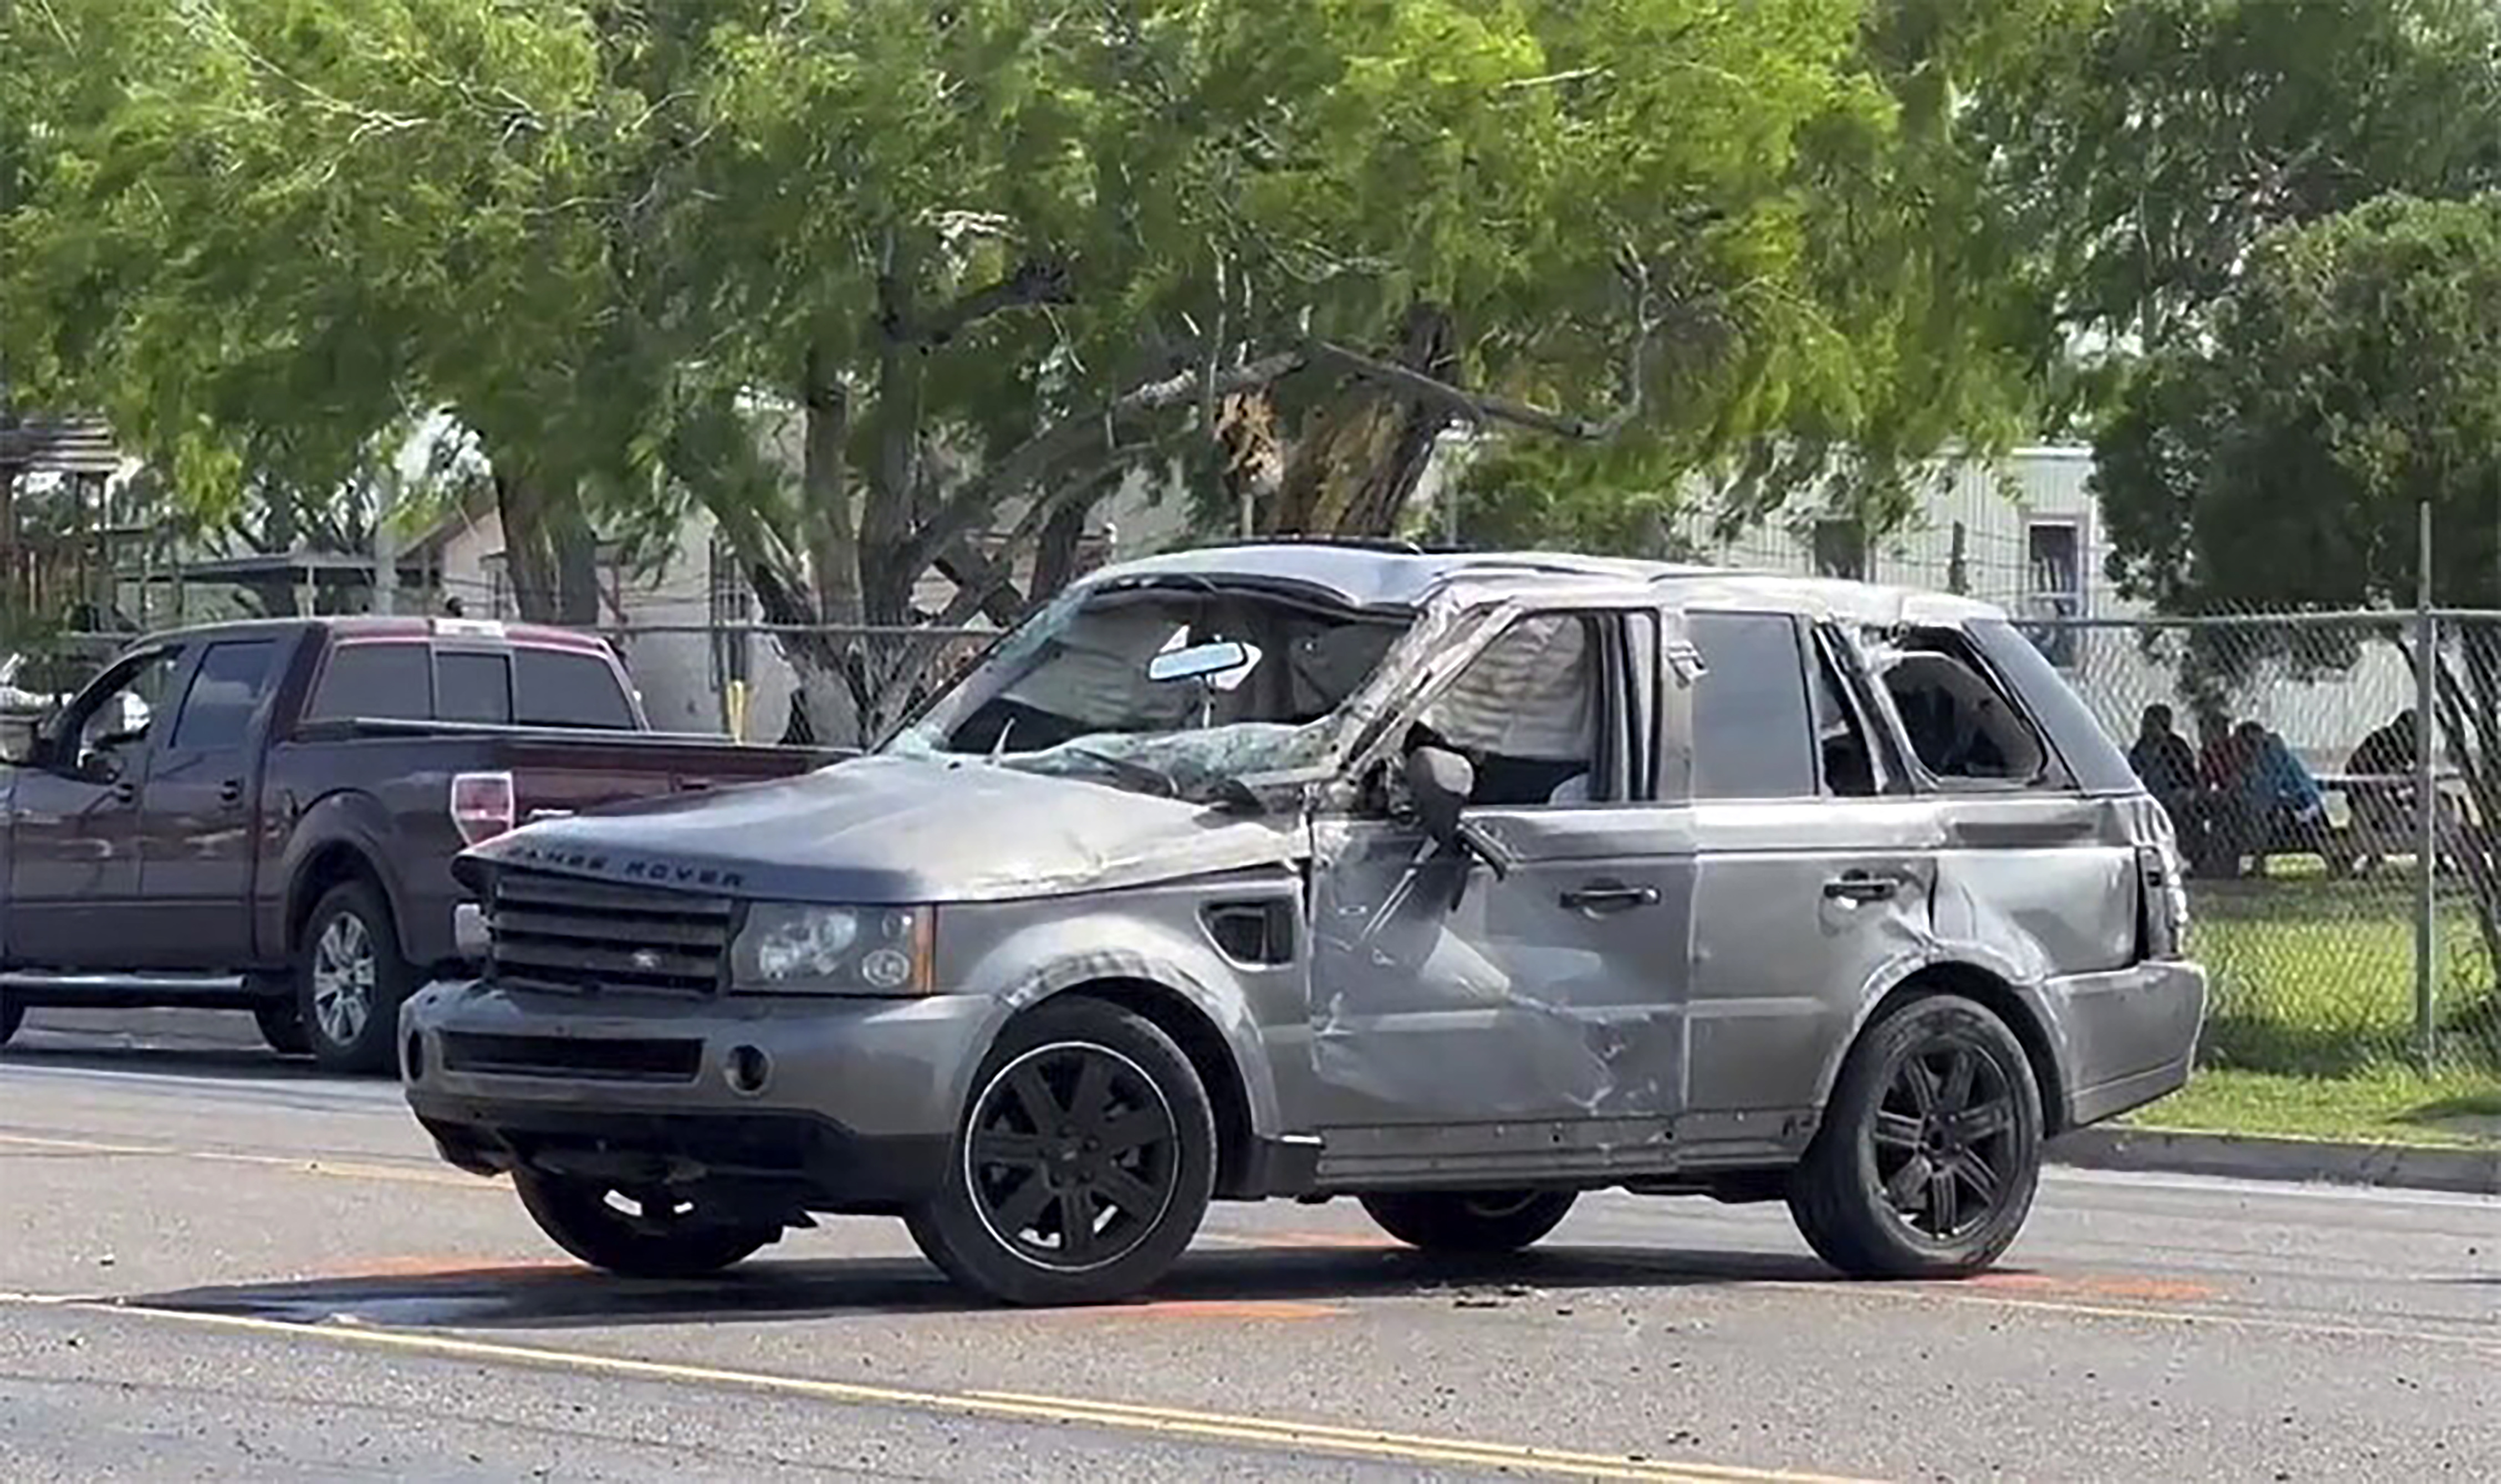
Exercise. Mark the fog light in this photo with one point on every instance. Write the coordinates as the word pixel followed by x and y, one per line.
pixel 413 1061
pixel 747 1070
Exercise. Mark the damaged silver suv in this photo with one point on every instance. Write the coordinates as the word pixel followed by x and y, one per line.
pixel 1456 884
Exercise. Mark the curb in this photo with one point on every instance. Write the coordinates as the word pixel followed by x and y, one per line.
pixel 2301 1161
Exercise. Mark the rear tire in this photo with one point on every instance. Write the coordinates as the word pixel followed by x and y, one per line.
pixel 1474 1222
pixel 1082 1164
pixel 282 1025
pixel 13 1014
pixel 1930 1149
pixel 663 1236
pixel 351 981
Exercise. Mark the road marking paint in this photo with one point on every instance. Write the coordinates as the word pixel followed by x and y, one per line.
pixel 2221 1317
pixel 345 1170
pixel 1322 1430
pixel 1314 1437
pixel 1208 1308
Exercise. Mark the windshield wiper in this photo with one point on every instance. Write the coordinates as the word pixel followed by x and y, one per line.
pixel 1153 780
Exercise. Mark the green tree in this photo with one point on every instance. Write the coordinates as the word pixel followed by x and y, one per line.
pixel 2354 374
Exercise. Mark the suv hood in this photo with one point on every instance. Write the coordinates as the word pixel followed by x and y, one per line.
pixel 881 831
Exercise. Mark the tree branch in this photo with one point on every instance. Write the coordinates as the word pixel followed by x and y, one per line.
pixel 1034 281
pixel 1031 459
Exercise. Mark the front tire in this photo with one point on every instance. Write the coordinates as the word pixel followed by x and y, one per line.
pixel 351 980
pixel 1930 1149
pixel 637 1233
pixel 1083 1165
pixel 1476 1222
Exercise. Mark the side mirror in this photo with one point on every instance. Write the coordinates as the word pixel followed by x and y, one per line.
pixel 1439 781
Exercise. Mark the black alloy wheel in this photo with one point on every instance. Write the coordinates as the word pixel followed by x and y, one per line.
pixel 1084 1166
pixel 1943 1141
pixel 1930 1149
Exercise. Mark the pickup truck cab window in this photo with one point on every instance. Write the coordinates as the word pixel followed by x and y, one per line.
pixel 114 722
pixel 472 686
pixel 227 688
pixel 563 689
pixel 380 680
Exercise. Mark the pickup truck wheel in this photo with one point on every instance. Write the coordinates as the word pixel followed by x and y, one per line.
pixel 637 1233
pixel 1480 1221
pixel 1084 1166
pixel 13 1014
pixel 351 981
pixel 1930 1150
pixel 282 1025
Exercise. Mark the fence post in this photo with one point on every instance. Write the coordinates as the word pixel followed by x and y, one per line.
pixel 2426 803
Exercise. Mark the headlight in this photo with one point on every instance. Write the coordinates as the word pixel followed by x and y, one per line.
pixel 793 949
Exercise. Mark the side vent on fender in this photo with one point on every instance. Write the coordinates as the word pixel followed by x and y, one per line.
pixel 1258 933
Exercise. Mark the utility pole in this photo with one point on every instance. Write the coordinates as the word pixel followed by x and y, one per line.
pixel 2426 803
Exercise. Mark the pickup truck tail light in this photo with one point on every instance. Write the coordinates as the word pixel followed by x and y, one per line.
pixel 482 806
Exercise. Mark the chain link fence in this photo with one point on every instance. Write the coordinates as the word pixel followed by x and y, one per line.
pixel 2286 767
pixel 2289 751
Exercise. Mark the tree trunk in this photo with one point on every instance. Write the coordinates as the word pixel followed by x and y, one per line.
pixel 824 490
pixel 530 546
pixel 1056 554
pixel 1353 472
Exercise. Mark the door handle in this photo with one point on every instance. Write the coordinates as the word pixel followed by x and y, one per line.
pixel 230 792
pixel 1862 886
pixel 1609 897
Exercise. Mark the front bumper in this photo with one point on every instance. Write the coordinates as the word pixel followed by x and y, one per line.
pixel 845 1104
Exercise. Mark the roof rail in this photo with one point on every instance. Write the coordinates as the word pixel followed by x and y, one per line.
pixel 1394 544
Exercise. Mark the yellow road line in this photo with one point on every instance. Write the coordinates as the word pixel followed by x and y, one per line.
pixel 349 1169
pixel 1118 1416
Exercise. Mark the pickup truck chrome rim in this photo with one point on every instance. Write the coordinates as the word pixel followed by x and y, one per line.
pixel 1073 1156
pixel 1944 1138
pixel 342 978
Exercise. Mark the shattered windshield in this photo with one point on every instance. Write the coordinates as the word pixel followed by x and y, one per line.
pixel 1164 688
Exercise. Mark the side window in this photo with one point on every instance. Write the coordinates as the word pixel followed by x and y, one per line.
pixel 1848 763
pixel 563 689
pixel 384 681
pixel 226 690
pixel 118 721
pixel 1960 726
pixel 470 686
pixel 1752 738
pixel 1527 712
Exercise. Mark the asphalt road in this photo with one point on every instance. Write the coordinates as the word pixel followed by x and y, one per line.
pixel 214 1265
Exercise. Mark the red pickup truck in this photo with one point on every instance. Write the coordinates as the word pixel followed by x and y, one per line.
pixel 263 815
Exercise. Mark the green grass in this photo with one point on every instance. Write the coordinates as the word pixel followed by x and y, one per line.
pixel 2312 1030
pixel 2388 1104
pixel 2315 978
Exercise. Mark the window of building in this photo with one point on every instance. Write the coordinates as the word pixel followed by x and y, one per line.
pixel 2053 589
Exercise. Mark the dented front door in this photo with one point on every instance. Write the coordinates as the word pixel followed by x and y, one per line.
pixel 1457 1014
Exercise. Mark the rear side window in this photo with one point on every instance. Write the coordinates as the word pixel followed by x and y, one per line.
pixel 473 688
pixel 227 689
pixel 564 688
pixel 389 683
pixel 1752 736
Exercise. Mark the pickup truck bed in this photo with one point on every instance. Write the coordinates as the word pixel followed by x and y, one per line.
pixel 281 802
